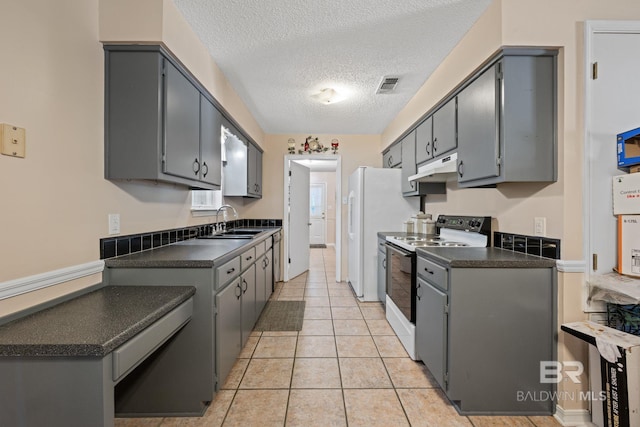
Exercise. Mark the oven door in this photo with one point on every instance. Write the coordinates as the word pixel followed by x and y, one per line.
pixel 401 280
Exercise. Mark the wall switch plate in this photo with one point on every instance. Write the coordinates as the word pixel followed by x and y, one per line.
pixel 539 226
pixel 12 140
pixel 114 223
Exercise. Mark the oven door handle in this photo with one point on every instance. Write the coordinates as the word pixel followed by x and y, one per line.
pixel 398 250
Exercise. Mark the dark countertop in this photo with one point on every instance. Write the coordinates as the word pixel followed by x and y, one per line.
pixel 93 324
pixel 193 253
pixel 483 258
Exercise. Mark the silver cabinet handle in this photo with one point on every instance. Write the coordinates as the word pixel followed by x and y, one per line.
pixel 196 166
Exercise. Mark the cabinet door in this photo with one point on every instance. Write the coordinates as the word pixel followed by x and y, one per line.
pixel 252 176
pixel 210 133
pixel 261 281
pixel 248 284
pixel 431 330
pixel 382 275
pixel 424 146
pixel 258 172
pixel 408 162
pixel 228 332
pixel 181 125
pixel 268 286
pixel 393 157
pixel 478 142
pixel 444 128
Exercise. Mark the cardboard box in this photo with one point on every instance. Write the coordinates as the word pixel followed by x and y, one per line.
pixel 615 386
pixel 626 194
pixel 629 245
pixel 628 149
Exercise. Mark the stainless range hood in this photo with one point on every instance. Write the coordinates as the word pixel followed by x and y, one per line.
pixel 441 170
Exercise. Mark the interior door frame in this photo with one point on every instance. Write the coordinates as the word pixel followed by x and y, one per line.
pixel 285 220
pixel 592 28
pixel 324 214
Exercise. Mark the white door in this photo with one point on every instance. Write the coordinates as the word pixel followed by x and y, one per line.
pixel 610 109
pixel 298 219
pixel 317 213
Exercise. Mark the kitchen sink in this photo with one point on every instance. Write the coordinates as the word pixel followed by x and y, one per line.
pixel 233 234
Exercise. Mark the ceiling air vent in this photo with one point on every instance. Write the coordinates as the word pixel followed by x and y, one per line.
pixel 388 84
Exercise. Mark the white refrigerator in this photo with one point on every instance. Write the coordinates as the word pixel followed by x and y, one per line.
pixel 375 203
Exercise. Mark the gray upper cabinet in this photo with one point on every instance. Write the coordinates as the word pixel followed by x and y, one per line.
pixel 392 158
pixel 242 166
pixel 424 141
pixel 436 135
pixel 507 123
pixel 444 129
pixel 157 124
pixel 254 182
pixel 210 151
pixel 181 125
pixel 408 163
pixel 409 167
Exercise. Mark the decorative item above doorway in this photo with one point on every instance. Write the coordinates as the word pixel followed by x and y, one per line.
pixel 312 145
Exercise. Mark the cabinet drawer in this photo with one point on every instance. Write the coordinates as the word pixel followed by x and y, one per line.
pixel 227 271
pixel 433 273
pixel 261 248
pixel 134 351
pixel 247 258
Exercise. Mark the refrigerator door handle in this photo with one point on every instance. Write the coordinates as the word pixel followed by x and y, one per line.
pixel 350 214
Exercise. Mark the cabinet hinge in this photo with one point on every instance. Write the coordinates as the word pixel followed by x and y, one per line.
pixel 499 71
pixel 215 310
pixel 289 260
pixel 289 173
pixel 446 308
pixel 446 380
pixel 594 71
pixel 498 161
pixel 594 262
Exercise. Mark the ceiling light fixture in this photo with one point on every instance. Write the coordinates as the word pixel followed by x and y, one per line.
pixel 328 96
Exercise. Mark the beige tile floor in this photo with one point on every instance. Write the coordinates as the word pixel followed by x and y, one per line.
pixel 345 367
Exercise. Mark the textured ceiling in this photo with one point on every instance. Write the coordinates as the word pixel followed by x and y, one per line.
pixel 277 53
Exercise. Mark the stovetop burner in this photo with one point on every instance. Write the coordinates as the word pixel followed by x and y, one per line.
pixel 454 231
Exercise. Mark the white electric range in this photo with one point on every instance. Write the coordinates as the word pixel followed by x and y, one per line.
pixel 452 231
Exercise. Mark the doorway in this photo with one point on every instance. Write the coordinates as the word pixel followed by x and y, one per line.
pixel 318 213
pixel 609 110
pixel 316 162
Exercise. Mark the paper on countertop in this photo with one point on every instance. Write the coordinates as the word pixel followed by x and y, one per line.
pixel 615 288
pixel 605 336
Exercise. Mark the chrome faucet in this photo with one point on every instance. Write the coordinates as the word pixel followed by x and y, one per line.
pixel 235 214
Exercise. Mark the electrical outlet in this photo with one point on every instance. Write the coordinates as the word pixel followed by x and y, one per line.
pixel 114 223
pixel 539 226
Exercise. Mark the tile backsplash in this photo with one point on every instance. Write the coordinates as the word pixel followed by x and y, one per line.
pixel 532 245
pixel 123 245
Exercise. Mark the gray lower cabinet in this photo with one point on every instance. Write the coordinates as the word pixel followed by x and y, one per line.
pixel 392 157
pixel 159 123
pixel 507 123
pixel 382 271
pixel 431 322
pixel 248 309
pixel 228 328
pixel 487 329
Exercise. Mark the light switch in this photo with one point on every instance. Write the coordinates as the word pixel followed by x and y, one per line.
pixel 13 140
pixel 540 226
pixel 114 223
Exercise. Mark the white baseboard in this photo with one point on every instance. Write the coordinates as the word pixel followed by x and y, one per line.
pixel 23 285
pixel 573 417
